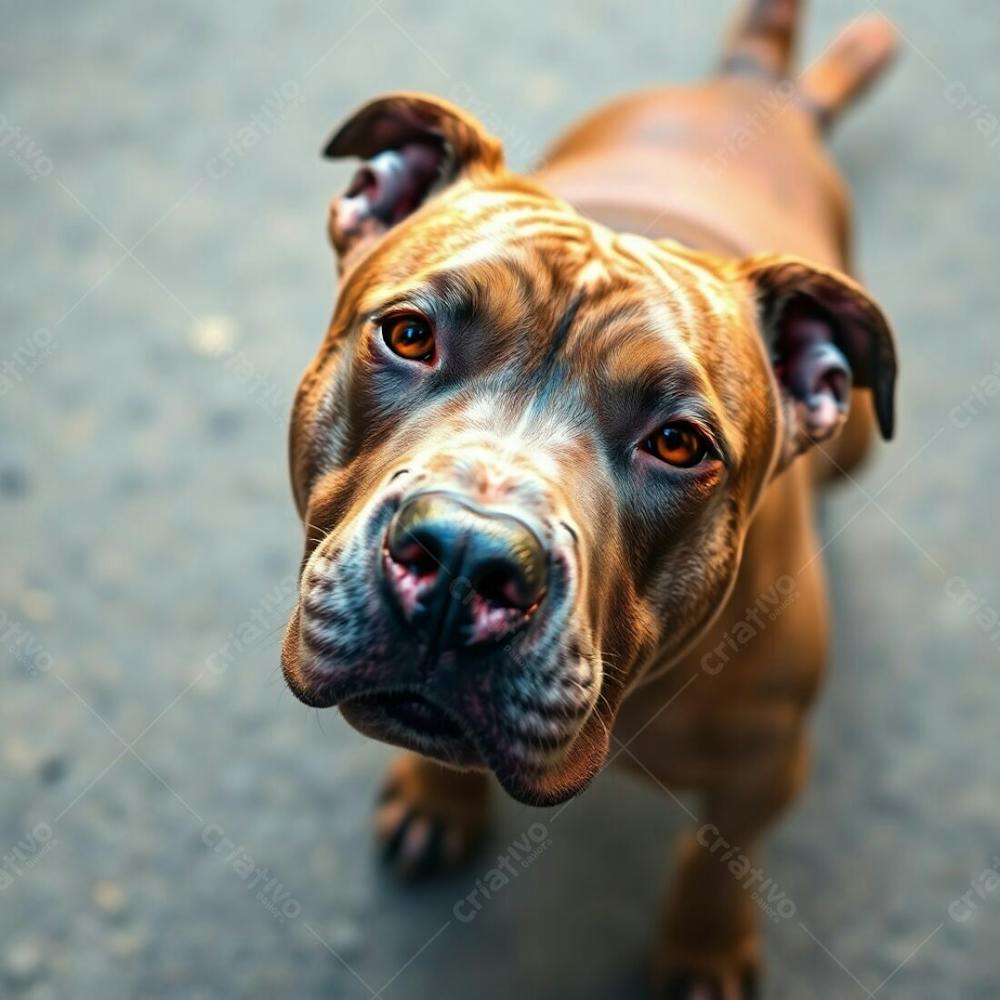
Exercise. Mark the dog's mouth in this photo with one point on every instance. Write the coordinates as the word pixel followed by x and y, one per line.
pixel 416 712
pixel 409 720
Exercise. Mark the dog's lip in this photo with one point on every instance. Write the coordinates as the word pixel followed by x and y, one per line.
pixel 415 711
pixel 413 721
pixel 409 719
pixel 316 695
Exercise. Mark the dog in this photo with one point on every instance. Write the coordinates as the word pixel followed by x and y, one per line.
pixel 558 454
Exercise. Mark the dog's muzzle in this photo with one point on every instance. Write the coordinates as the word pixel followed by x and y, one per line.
pixel 462 575
pixel 446 625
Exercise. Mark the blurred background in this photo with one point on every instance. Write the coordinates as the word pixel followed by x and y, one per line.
pixel 166 280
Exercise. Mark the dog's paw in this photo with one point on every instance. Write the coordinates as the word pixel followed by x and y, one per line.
pixel 709 986
pixel 429 818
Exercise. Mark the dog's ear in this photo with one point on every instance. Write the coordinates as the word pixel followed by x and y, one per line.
pixel 824 335
pixel 413 146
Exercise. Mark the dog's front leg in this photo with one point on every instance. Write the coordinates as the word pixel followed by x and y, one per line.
pixel 429 817
pixel 709 942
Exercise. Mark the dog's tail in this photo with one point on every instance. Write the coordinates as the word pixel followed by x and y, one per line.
pixel 762 44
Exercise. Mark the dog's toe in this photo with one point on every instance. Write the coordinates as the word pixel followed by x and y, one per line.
pixel 426 823
pixel 698 986
pixel 414 845
pixel 411 844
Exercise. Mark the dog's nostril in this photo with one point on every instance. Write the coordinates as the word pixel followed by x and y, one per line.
pixel 418 556
pixel 413 542
pixel 421 563
pixel 494 587
pixel 499 588
pixel 515 582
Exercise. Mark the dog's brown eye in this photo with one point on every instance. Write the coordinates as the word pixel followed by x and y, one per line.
pixel 678 444
pixel 410 336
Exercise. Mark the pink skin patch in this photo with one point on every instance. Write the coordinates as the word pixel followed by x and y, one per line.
pixel 408 585
pixel 493 621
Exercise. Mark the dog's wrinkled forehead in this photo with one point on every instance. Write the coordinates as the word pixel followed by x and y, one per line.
pixel 567 310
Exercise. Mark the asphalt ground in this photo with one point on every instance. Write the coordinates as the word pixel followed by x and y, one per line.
pixel 167 280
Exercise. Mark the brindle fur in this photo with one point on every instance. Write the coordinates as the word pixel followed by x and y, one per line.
pixel 564 337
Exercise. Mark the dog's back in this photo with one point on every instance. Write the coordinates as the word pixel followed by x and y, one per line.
pixel 734 162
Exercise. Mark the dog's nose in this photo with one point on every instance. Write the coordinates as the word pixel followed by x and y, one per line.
pixel 463 574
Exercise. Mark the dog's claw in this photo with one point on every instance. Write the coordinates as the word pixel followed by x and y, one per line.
pixel 422 825
pixel 413 848
pixel 697 986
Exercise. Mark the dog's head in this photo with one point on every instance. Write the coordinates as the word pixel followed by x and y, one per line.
pixel 528 450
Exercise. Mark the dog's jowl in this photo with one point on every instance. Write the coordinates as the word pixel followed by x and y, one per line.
pixel 557 458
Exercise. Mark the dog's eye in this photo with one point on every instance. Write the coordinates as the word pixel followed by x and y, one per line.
pixel 409 335
pixel 678 444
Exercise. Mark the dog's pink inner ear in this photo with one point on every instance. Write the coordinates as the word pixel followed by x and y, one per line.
pixel 825 335
pixel 384 191
pixel 812 370
pixel 393 183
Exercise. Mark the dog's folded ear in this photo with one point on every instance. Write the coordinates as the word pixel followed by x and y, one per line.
pixel 413 146
pixel 825 336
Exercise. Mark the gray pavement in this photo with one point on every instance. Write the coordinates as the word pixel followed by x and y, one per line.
pixel 167 279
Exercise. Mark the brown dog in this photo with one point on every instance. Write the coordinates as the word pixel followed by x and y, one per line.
pixel 549 470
